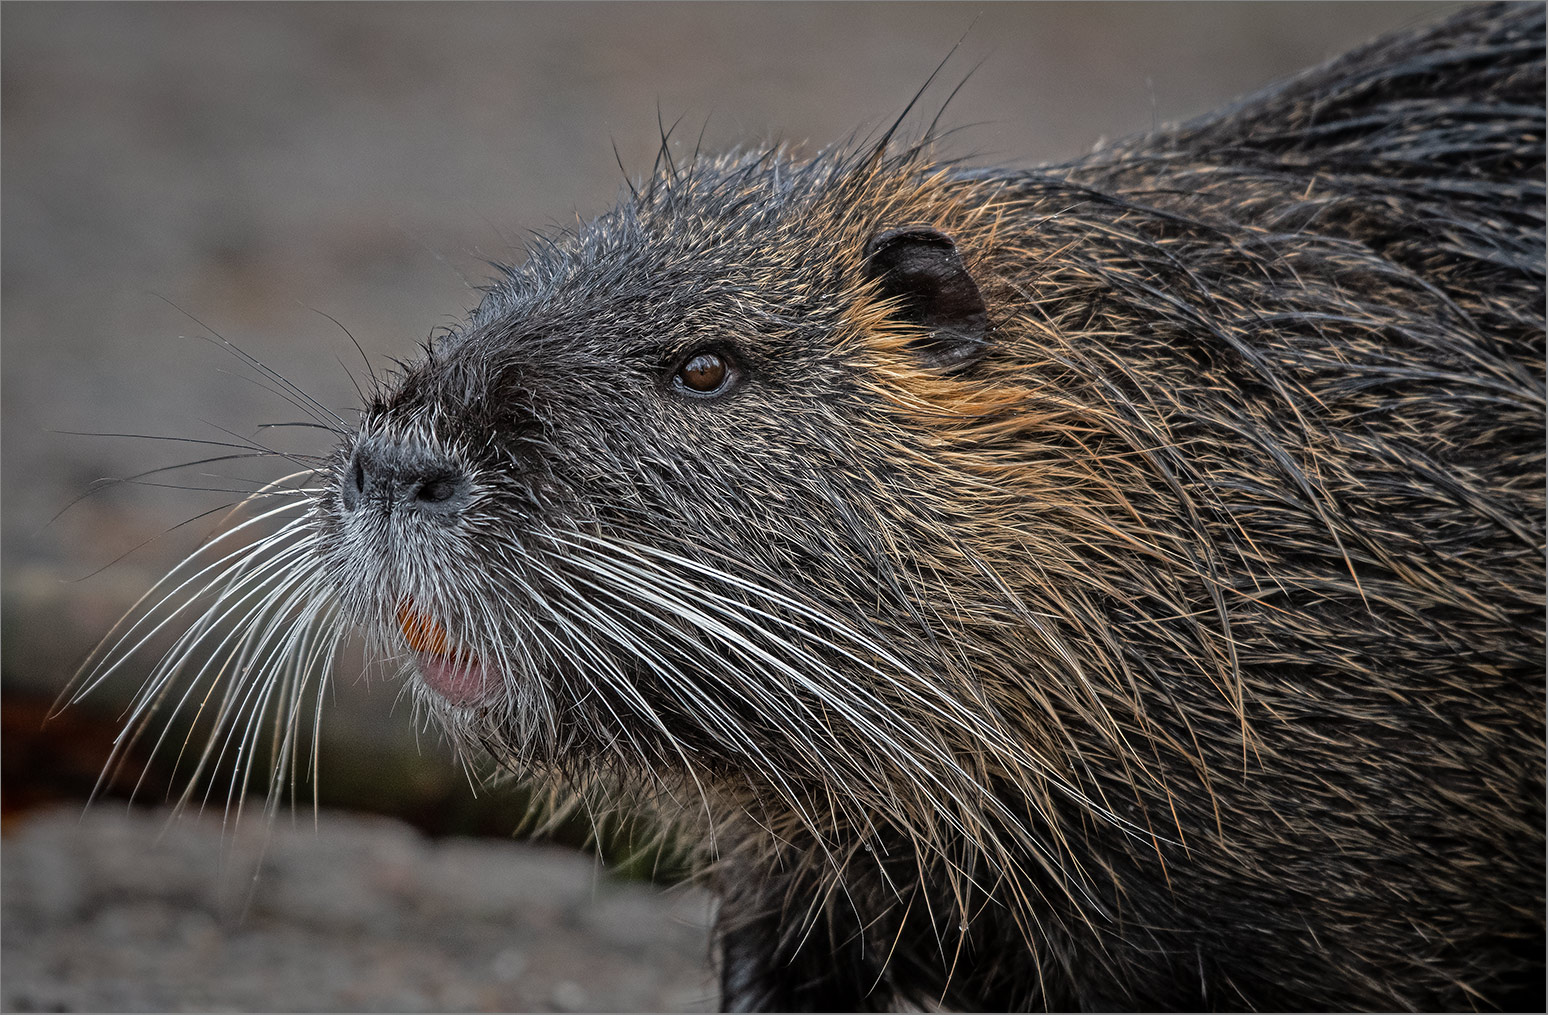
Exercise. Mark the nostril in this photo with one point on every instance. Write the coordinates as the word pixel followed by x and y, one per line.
pixel 352 485
pixel 441 493
pixel 437 490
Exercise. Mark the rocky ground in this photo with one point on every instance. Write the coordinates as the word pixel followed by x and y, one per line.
pixel 116 910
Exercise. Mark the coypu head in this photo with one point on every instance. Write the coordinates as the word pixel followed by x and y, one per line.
pixel 647 503
pixel 740 490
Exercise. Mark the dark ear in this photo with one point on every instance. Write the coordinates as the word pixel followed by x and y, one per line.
pixel 920 268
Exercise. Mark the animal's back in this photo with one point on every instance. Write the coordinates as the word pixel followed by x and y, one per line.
pixel 1293 359
pixel 1318 320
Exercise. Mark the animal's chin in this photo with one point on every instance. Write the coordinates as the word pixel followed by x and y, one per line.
pixel 456 678
pixel 457 675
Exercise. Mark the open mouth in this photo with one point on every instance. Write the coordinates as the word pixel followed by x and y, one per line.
pixel 452 672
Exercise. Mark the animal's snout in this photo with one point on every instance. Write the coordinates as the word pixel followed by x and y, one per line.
pixel 404 475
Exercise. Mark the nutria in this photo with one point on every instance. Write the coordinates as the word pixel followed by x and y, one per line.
pixel 1116 584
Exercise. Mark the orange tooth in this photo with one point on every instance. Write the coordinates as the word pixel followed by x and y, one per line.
pixel 423 634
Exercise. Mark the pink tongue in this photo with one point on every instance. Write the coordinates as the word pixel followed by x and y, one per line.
pixel 458 681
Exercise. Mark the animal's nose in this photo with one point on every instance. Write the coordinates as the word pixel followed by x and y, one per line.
pixel 404 475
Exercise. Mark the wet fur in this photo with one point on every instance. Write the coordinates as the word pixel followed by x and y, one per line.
pixel 1181 648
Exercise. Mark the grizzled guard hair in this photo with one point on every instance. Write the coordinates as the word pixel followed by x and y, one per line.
pixel 1118 584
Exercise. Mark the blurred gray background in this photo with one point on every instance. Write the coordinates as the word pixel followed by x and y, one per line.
pixel 264 167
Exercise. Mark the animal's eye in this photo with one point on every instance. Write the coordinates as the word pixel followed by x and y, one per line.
pixel 705 373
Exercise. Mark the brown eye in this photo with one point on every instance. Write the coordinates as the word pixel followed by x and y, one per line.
pixel 705 373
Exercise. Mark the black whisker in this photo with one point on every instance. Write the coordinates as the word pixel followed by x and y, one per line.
pixel 257 364
pixel 358 348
